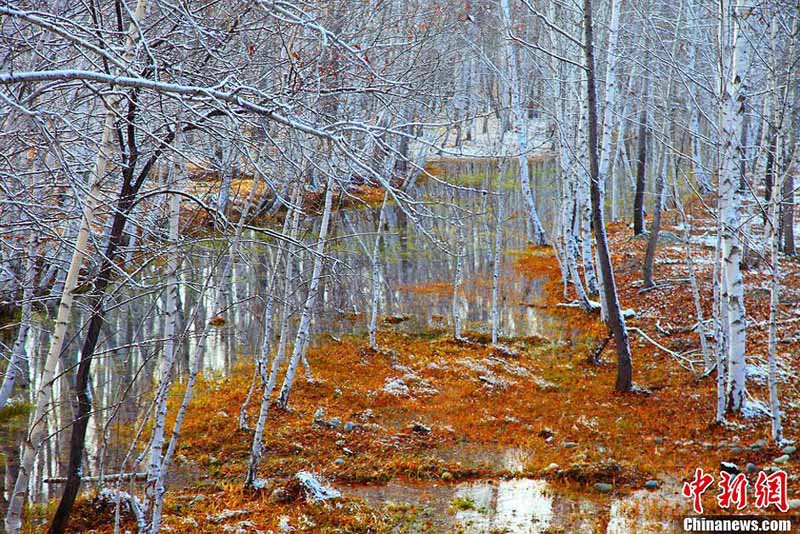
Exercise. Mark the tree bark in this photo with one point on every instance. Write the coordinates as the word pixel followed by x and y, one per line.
pixel 641 174
pixel 624 381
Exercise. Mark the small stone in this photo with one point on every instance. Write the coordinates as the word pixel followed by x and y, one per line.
pixel 729 467
pixel 651 484
pixel 198 498
pixel 794 504
pixel 545 433
pixel 212 460
pixel 419 428
pixel 760 444
pixel 320 413
pixel 395 386
pixel 447 475
pixel 659 441
pixel 335 422
pixel 570 444
pixel 552 467
pixel 782 459
pixel 337 393
pixel 339 461
pixel 347 451
pixel 340 443
pixel 351 426
pixel 602 487
pixel 751 467
pixel 737 450
pixel 791 449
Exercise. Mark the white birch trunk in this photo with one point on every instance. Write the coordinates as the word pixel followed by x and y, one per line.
pixel 731 128
pixel 269 380
pixel 519 126
pixel 457 277
pixel 308 307
pixel 498 255
pixel 376 278
pixel 610 101
pixel 774 300
pixel 154 490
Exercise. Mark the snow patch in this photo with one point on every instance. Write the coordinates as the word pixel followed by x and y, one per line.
pixel 754 409
pixel 396 386
pixel 315 489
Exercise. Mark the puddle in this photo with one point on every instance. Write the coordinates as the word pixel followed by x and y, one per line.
pixel 522 505
pixel 519 506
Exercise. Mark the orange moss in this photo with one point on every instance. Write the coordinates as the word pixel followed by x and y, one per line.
pixel 438 289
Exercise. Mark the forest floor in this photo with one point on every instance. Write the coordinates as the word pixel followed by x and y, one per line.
pixel 432 412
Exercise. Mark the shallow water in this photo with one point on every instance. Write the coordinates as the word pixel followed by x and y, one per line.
pixel 517 506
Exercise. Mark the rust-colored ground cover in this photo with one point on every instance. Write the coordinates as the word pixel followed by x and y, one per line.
pixel 542 397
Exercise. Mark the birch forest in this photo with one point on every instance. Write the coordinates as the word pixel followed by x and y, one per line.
pixel 399 266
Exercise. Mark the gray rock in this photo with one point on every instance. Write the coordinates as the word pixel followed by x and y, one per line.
pixel 652 484
pixel 737 450
pixel 794 504
pixel 602 487
pixel 545 433
pixel 659 440
pixel 339 461
pixel 280 496
pixel 760 444
pixel 751 467
pixel 729 467
pixel 791 449
pixel 782 459
pixel 198 498
pixel 570 444
pixel 335 422
pixel 419 428
pixel 351 426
